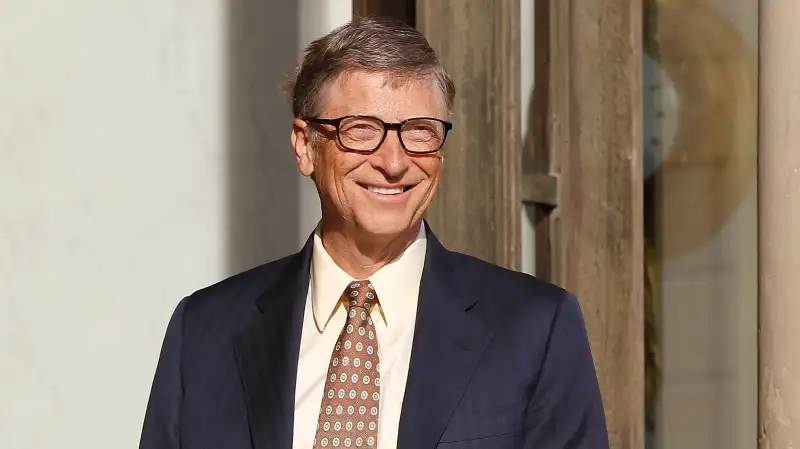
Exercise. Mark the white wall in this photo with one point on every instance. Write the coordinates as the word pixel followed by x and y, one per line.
pixel 143 154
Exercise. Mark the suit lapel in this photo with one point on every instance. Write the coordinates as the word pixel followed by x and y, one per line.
pixel 448 344
pixel 268 350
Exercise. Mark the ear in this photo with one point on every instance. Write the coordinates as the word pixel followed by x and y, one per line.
pixel 303 151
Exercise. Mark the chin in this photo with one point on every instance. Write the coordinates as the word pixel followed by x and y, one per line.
pixel 386 225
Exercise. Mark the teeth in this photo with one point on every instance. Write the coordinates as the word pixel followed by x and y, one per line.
pixel 384 191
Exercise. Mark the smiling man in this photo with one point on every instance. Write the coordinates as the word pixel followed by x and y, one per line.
pixel 374 334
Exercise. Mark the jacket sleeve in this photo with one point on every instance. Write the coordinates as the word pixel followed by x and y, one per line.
pixel 566 409
pixel 161 429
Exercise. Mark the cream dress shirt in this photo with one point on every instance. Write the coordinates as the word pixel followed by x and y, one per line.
pixel 397 286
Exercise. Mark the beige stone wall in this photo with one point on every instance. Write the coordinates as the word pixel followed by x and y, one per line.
pixel 779 202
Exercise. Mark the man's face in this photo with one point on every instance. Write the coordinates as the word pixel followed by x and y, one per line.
pixel 381 193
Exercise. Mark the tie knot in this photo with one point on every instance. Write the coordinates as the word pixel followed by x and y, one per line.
pixel 361 294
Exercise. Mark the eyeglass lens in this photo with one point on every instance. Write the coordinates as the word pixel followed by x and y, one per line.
pixel 417 135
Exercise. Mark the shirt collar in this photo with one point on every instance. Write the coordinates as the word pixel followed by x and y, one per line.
pixel 393 282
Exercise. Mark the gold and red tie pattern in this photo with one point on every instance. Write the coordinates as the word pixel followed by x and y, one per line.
pixel 348 416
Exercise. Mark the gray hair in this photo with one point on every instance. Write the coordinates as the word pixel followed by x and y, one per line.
pixel 371 44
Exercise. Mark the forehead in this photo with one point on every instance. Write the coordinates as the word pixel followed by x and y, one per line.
pixel 389 97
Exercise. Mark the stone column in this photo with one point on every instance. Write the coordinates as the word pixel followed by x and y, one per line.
pixel 779 225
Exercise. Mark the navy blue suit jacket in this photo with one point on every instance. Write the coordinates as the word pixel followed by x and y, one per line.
pixel 500 360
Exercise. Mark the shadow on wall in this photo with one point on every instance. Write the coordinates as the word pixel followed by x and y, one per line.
pixel 263 187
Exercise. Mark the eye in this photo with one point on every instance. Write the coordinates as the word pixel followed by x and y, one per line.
pixel 360 128
pixel 421 130
pixel 363 127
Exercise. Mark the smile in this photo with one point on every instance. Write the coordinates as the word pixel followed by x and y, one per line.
pixel 387 193
pixel 386 190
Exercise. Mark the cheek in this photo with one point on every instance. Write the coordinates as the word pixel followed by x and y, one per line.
pixel 338 171
pixel 326 163
pixel 325 173
pixel 432 168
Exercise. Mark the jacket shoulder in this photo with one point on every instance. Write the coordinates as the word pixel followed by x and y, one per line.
pixel 480 273
pixel 231 302
pixel 239 285
pixel 503 293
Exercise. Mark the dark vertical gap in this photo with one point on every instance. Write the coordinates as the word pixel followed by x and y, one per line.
pixel 537 157
pixel 262 180
pixel 404 10
pixel 653 286
pixel 761 412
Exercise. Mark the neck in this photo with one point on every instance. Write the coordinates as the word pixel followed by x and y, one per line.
pixel 361 255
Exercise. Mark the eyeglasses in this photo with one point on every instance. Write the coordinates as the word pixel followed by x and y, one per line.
pixel 365 134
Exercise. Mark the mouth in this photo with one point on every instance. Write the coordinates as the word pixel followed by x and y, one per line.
pixel 384 192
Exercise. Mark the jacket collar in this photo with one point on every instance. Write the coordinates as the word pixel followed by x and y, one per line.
pixel 448 344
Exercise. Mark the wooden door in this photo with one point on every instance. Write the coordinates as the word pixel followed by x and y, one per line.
pixel 584 175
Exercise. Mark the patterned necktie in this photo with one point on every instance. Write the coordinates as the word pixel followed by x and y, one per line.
pixel 348 417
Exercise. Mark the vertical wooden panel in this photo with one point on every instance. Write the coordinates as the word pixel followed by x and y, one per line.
pixel 551 112
pixel 589 112
pixel 478 207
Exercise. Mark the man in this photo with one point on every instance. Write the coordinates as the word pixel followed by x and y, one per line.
pixel 374 335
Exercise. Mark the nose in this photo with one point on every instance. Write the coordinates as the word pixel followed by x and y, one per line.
pixel 390 158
